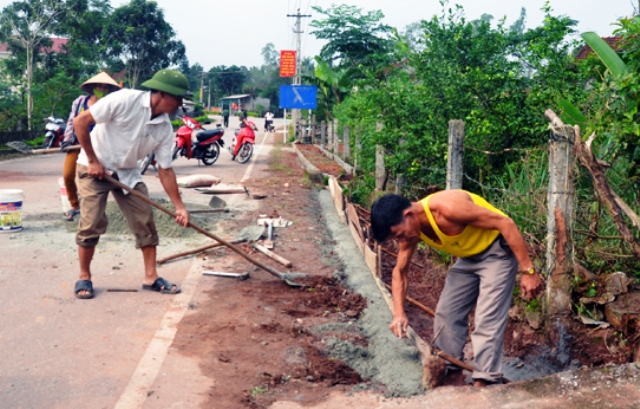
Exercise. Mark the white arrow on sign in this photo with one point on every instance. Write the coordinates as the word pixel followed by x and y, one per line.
pixel 298 96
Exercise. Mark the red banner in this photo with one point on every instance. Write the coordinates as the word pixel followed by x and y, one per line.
pixel 287 63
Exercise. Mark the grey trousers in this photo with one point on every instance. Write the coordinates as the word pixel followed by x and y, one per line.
pixel 485 281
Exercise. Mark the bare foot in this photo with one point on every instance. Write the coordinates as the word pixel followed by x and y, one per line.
pixel 480 383
pixel 454 378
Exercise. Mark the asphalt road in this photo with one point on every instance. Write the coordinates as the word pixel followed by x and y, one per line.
pixel 61 352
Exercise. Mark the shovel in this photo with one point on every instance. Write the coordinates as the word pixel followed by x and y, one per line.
pixel 24 148
pixel 286 277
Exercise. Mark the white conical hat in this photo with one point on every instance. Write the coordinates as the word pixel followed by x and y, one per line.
pixel 102 78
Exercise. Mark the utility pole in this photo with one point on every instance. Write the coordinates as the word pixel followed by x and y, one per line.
pixel 209 102
pixel 201 85
pixel 297 80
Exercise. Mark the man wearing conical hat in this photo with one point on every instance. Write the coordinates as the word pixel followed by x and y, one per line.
pixel 129 124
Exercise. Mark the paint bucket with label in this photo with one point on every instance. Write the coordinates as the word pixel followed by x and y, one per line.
pixel 64 198
pixel 11 210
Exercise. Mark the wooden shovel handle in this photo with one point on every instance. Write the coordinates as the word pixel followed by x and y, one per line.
pixel 195 227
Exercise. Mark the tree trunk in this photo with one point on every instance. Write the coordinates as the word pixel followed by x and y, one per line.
pixel 29 83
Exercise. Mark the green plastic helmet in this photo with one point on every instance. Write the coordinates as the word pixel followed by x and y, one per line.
pixel 170 81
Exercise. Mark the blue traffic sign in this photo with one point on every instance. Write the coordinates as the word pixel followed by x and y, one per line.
pixel 298 96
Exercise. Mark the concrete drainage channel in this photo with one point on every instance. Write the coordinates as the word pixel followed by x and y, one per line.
pixel 386 360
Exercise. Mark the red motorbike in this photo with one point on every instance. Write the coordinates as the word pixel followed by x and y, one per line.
pixel 55 132
pixel 204 146
pixel 243 141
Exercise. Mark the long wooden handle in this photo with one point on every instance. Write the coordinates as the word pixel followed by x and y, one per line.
pixel 273 255
pixel 416 303
pixel 195 227
pixel 194 251
pixel 55 150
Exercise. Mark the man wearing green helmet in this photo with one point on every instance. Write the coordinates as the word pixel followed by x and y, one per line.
pixel 129 125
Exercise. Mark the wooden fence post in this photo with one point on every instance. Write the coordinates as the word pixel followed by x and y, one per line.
pixel 560 250
pixel 455 158
pixel 381 172
pixel 345 141
pixel 323 134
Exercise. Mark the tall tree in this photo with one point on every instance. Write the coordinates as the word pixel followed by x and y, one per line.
pixel 353 37
pixel 84 25
pixel 141 41
pixel 26 25
pixel 270 55
pixel 228 80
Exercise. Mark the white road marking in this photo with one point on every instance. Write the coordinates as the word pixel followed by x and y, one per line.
pixel 145 374
pixel 257 153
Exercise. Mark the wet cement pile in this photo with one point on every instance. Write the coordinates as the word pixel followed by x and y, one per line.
pixel 165 224
pixel 386 359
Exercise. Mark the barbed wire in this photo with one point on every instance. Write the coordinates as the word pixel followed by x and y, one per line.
pixel 501 152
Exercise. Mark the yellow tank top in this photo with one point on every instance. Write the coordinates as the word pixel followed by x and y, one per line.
pixel 471 241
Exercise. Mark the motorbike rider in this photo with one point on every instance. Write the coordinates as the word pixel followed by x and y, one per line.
pixel 96 87
pixel 268 120
pixel 225 115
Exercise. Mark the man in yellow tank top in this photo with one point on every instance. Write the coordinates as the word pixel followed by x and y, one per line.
pixel 489 246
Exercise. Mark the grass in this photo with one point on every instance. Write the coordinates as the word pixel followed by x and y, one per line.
pixel 258 390
pixel 276 163
pixel 37 142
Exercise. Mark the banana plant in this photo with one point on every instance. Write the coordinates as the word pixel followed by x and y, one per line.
pixel 570 113
pixel 334 84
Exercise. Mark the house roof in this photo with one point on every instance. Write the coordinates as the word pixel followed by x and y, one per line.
pixel 57 46
pixel 236 96
pixel 614 42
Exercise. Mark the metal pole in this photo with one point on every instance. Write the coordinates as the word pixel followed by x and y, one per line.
pixel 284 134
pixel 209 101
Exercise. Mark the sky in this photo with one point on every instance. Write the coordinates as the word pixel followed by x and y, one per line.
pixel 217 32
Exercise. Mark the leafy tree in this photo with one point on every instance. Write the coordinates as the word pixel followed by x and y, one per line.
pixel 353 38
pixel 139 39
pixel 25 25
pixel 228 80
pixel 83 25
pixel 270 55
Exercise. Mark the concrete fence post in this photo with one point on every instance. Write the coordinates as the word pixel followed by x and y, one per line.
pixel 345 141
pixel 560 217
pixel 381 171
pixel 455 158
pixel 323 134
pixel 336 139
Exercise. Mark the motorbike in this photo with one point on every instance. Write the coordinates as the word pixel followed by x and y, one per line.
pixel 243 141
pixel 54 128
pixel 204 145
pixel 268 125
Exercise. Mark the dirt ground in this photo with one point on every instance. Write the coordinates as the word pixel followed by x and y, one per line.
pixel 323 163
pixel 262 340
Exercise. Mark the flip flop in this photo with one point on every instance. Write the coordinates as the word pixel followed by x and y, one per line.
pixel 71 214
pixel 162 286
pixel 84 285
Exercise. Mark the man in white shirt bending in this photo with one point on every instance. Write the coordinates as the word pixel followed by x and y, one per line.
pixel 129 125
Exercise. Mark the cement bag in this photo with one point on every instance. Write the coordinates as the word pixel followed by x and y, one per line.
pixel 198 180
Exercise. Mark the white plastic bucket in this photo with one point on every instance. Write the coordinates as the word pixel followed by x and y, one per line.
pixel 11 210
pixel 64 198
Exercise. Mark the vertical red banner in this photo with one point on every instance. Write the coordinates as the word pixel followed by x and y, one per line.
pixel 287 63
